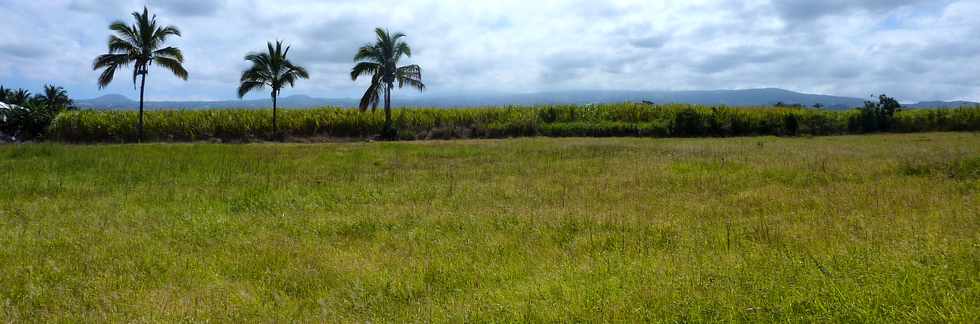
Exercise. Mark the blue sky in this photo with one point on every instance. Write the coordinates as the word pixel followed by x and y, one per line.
pixel 914 50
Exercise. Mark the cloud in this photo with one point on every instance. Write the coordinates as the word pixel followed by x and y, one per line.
pixel 844 47
pixel 24 50
pixel 739 56
pixel 655 41
pixel 804 10
pixel 191 8
pixel 333 41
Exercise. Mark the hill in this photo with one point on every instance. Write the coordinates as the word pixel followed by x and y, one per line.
pixel 735 98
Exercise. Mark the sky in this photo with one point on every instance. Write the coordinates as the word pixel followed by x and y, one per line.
pixel 910 49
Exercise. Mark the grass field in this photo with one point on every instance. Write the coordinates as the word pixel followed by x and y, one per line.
pixel 880 228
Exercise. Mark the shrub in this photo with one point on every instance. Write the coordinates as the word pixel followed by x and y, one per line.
pixel 877 116
pixel 688 122
pixel 28 122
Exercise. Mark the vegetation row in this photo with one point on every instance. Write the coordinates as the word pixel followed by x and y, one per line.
pixel 143 43
pixel 627 119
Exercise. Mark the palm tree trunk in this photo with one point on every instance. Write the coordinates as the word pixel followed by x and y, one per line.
pixel 275 127
pixel 142 88
pixel 389 129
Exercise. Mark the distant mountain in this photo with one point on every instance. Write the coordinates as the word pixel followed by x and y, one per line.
pixel 108 101
pixel 751 97
pixel 735 98
pixel 119 102
pixel 942 104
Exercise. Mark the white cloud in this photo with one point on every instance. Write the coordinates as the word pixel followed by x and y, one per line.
pixel 915 50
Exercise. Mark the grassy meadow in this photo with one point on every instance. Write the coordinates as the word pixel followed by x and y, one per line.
pixel 875 228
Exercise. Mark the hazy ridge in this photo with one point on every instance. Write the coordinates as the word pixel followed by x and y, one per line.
pixel 735 98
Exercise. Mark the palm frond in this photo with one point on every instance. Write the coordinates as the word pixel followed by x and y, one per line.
pixel 110 62
pixel 106 60
pixel 299 71
pixel 119 45
pixel 382 35
pixel 141 17
pixel 170 52
pixel 371 97
pixel 364 68
pixel 249 86
pixel 259 58
pixel 126 32
pixel 402 49
pixel 107 75
pixel 410 75
pixel 256 73
pixel 412 71
pixel 142 27
pixel 368 53
pixel 173 65
pixel 161 34
pixel 414 83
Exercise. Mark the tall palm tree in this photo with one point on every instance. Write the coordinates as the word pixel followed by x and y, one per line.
pixel 270 69
pixel 140 45
pixel 55 98
pixel 380 60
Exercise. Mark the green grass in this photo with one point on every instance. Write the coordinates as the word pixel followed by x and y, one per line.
pixel 881 228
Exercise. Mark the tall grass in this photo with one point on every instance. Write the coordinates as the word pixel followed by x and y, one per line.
pixel 496 122
pixel 850 229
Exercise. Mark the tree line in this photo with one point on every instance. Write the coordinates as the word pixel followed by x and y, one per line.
pixel 142 44
pixel 27 115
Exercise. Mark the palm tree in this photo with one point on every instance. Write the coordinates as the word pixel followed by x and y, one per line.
pixel 20 97
pixel 270 69
pixel 55 98
pixel 5 94
pixel 380 60
pixel 140 45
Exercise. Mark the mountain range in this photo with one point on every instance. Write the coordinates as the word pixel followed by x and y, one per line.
pixel 735 98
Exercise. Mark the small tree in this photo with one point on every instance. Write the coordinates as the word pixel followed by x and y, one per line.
pixel 879 116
